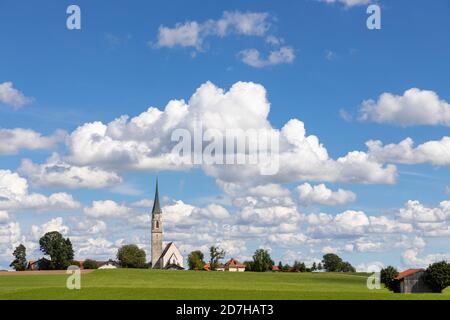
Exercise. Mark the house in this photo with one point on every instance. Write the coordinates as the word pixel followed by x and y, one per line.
pixel 276 269
pixel 234 266
pixel 102 265
pixel 220 267
pixel 412 281
pixel 33 265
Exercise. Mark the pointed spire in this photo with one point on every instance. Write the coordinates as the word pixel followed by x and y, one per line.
pixel 156 206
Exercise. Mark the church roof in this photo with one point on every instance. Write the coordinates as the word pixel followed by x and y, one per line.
pixel 156 206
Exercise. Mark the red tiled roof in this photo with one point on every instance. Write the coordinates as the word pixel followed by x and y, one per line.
pixel 275 268
pixel 407 273
pixel 234 264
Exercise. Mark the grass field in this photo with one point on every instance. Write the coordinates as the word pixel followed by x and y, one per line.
pixel 189 285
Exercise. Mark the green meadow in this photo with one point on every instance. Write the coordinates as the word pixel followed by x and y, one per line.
pixel 123 284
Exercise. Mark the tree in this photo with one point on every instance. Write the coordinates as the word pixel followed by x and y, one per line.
pixel 195 260
pixel 332 262
pixel 59 249
pixel 262 261
pixel 90 264
pixel 248 265
pixel 130 256
pixel 388 276
pixel 280 266
pixel 20 261
pixel 216 254
pixel 299 266
pixel 438 275
pixel 347 267
pixel 319 267
pixel 314 267
pixel 286 268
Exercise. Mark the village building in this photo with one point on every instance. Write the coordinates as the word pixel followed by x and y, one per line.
pixel 413 281
pixel 170 257
pixel 234 266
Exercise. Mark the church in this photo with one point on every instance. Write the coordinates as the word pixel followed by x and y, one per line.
pixel 170 258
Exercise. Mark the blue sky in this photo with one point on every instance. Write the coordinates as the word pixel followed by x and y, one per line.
pixel 117 64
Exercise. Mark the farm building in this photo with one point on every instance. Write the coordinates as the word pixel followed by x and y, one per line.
pixel 413 281
pixel 231 266
pixel 234 266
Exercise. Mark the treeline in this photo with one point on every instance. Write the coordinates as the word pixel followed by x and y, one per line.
pixel 60 252
pixel 263 262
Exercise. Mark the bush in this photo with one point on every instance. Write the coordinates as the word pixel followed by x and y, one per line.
pixel 195 260
pixel 90 264
pixel 388 276
pixel 438 276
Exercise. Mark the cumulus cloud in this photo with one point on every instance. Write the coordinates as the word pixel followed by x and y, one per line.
pixel 193 33
pixel 4 216
pixel 144 142
pixel 12 97
pixel 417 212
pixel 14 195
pixel 411 258
pixel 14 140
pixel 107 209
pixel 434 152
pixel 320 194
pixel 253 58
pixel 353 223
pixel 56 224
pixel 414 107
pixel 58 173
pixel 348 3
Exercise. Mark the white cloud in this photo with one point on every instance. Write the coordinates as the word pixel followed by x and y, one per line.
pixel 14 140
pixel 269 190
pixel 353 223
pixel 14 195
pixel 90 227
pixel 320 194
pixel 10 234
pixel 414 107
pixel 411 259
pixel 107 209
pixel 4 217
pixel 193 33
pixel 433 152
pixel 12 97
pixel 184 35
pixel 144 142
pixel 417 212
pixel 252 57
pixel 56 224
pixel 348 3
pixel 57 173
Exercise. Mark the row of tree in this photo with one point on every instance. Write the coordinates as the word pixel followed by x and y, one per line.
pixel 53 245
pixel 61 254
pixel 437 275
pixel 262 262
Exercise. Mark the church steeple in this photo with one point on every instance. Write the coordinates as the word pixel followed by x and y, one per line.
pixel 156 206
pixel 157 230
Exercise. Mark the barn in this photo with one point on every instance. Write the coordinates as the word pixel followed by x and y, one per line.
pixel 413 281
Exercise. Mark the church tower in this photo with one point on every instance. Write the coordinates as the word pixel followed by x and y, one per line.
pixel 157 230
